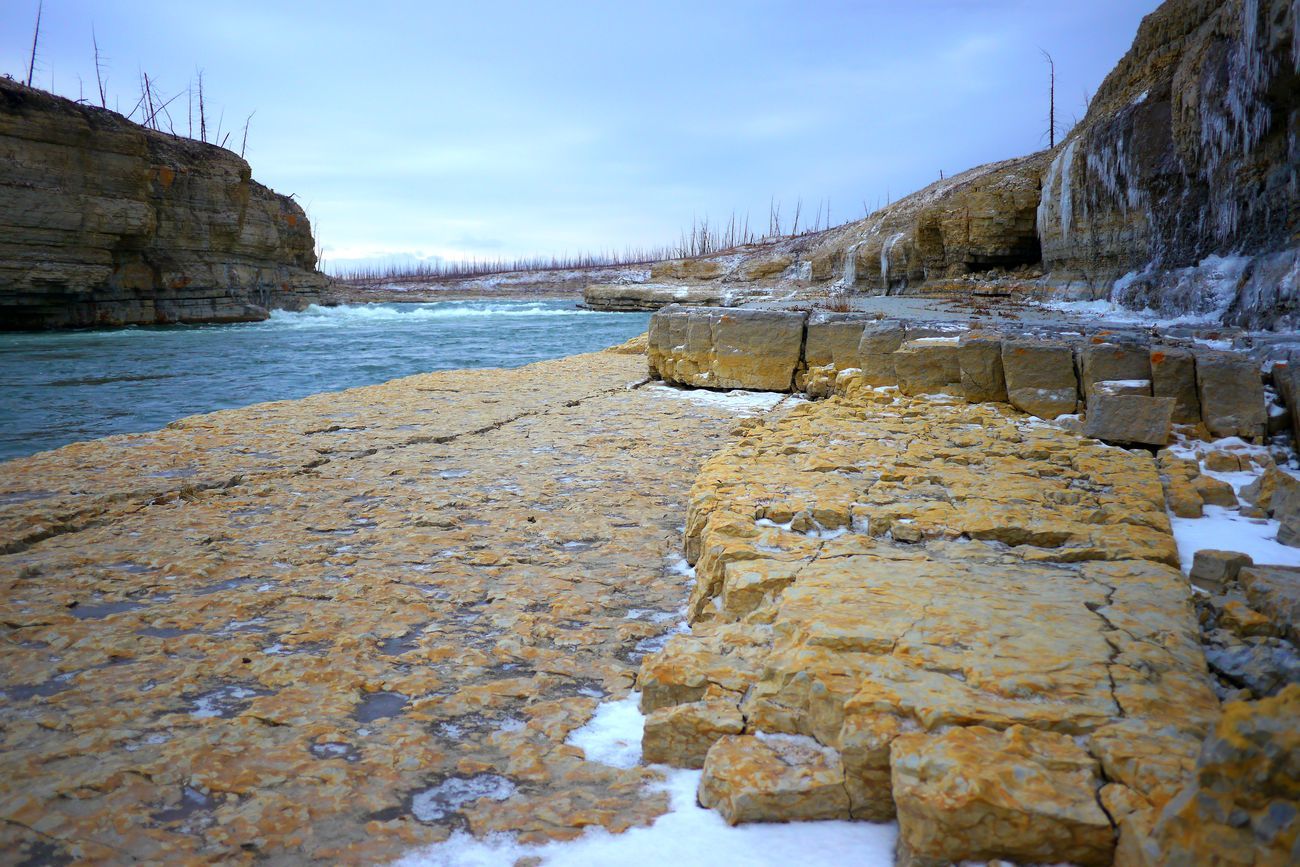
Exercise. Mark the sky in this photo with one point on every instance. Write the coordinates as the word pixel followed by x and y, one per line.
pixel 488 129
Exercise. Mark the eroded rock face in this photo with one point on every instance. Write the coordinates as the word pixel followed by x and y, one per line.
pixel 333 629
pixel 103 222
pixel 1187 151
pixel 973 612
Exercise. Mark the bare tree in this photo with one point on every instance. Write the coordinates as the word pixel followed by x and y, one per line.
pixel 36 37
pixel 99 69
pixel 1051 98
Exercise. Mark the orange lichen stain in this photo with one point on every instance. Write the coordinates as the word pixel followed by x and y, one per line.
pixel 180 282
pixel 1157 358
pixel 291 219
pixel 166 176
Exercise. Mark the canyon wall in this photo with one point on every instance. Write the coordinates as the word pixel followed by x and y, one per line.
pixel 104 222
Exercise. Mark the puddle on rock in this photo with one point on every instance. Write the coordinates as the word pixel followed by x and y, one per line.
pixel 379 705
pixel 97 610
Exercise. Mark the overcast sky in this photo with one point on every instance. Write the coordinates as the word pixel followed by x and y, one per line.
pixel 484 129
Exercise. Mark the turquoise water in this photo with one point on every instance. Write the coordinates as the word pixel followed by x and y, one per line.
pixel 63 387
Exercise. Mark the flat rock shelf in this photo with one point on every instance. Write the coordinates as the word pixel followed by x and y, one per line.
pixel 338 628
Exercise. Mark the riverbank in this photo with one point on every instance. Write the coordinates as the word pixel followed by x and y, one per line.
pixel 62 387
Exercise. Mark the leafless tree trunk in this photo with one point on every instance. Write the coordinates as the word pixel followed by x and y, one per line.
pixel 36 37
pixel 1051 99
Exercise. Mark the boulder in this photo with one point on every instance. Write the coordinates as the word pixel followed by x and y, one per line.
pixel 982 379
pixel 1231 395
pixel 1114 362
pixel 1211 568
pixel 1215 492
pixel 1179 476
pixel 976 794
pixel 1128 418
pixel 773 778
pixel 1173 374
pixel 1274 591
pixel 681 735
pixel 928 365
pixel 1040 377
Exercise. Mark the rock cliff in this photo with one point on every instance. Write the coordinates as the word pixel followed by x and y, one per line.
pixel 104 222
pixel 1188 155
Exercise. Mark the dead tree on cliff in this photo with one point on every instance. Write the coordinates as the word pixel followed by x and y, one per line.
pixel 36 37
pixel 1051 99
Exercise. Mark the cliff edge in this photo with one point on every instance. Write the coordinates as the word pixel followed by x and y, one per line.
pixel 105 222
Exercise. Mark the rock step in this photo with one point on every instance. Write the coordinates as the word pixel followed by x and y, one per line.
pixel 1134 388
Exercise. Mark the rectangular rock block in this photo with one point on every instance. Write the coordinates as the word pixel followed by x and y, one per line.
pixel 876 351
pixel 928 365
pixel 1040 377
pixel 757 349
pixel 1129 418
pixel 833 339
pixel 774 778
pixel 681 735
pixel 1173 374
pixel 1110 362
pixel 982 379
pixel 1231 392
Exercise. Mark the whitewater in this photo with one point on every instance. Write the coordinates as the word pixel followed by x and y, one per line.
pixel 62 387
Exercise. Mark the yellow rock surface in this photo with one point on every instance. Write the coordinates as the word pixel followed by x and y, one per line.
pixel 272 633
pixel 873 567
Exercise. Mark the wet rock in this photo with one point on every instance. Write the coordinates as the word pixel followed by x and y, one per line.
pixel 773 778
pixel 976 794
pixel 1128 418
pixel 1040 377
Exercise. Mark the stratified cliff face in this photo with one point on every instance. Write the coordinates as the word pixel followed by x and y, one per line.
pixel 1189 151
pixel 103 222
pixel 980 219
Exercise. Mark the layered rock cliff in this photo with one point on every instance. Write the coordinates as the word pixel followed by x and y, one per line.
pixel 105 222
pixel 1188 151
